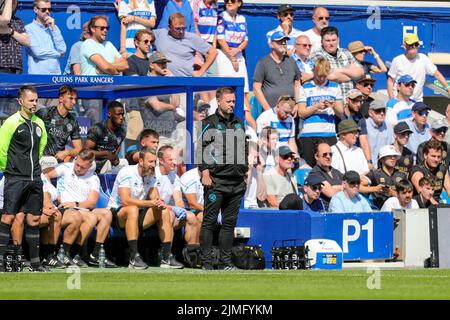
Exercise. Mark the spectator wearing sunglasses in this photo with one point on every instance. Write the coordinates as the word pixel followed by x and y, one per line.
pixel 401 138
pixel 134 16
pixel 379 133
pixel 399 108
pixel 311 194
pixel 320 18
pixel 365 84
pixel 285 14
pixel 438 130
pixel 419 126
pixel 139 62
pixel 359 51
pixel 349 200
pixel 47 45
pixel 416 64
pixel 302 56
pixel 99 56
pixel 329 176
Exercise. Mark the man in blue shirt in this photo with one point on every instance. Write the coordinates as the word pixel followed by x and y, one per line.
pixel 180 6
pixel 311 195
pixel 349 200
pixel 419 126
pixel 47 45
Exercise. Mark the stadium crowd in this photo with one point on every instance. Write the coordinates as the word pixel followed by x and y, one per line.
pixel 323 141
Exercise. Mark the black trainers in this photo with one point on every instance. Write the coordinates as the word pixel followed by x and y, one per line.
pixel 79 262
pixel 137 263
pixel 39 268
pixel 95 262
pixel 228 267
pixel 171 263
pixel 52 262
pixel 207 267
pixel 67 261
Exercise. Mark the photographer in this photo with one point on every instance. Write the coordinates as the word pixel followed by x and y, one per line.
pixel 320 102
pixel 12 37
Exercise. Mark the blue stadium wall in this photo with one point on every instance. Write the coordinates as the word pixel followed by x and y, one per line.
pixel 381 26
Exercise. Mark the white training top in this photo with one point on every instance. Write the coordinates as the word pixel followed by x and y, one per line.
pixel 129 177
pixel 190 183
pixel 167 185
pixel 75 188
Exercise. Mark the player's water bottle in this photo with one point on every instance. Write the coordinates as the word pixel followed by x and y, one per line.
pixel 9 259
pixel 18 258
pixel 61 254
pixel 101 257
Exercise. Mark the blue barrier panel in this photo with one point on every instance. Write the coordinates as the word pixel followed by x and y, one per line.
pixel 267 226
pixel 361 235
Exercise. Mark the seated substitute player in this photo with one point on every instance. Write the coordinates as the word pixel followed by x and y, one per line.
pixel 105 138
pixel 169 188
pixel 78 188
pixel 136 205
pixel 147 138
pixel 61 125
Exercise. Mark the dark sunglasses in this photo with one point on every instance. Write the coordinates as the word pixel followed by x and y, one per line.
pixel 102 28
pixel 324 18
pixel 288 156
pixel 180 29
pixel 366 84
pixel 404 134
pixel 285 14
pixel 231 1
pixel 147 41
pixel 326 154
pixel 378 111
pixel 304 45
pixel 316 187
pixel 353 184
pixel 441 130
pixel 423 113
pixel 413 45
pixel 45 9
pixel 411 84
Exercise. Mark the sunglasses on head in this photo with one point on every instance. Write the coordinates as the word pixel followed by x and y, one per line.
pixel 102 28
pixel 323 18
pixel 43 10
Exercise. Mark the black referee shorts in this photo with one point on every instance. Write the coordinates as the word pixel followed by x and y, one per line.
pixel 23 196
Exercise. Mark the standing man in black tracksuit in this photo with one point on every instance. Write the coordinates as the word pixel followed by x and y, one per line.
pixel 223 165
pixel 22 143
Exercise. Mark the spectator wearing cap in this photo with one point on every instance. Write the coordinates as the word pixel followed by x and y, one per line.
pixel 349 199
pixel 399 108
pixel 425 193
pixel 419 126
pixel 432 168
pixel 320 19
pixel 438 130
pixel 279 181
pixel 379 133
pixel 359 51
pixel 134 16
pixel 302 56
pixel 401 138
pixel 13 36
pixel 382 180
pixel 161 113
pixel 180 47
pixel 311 194
pixel 329 176
pixel 276 74
pixel 97 55
pixel 365 84
pixel 47 44
pixel 346 155
pixel 319 105
pixel 285 14
pixel 73 65
pixel 139 63
pixel 340 59
pixel 404 198
pixel 281 118
pixel 417 65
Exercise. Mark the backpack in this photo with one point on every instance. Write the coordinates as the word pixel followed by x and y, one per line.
pixel 248 257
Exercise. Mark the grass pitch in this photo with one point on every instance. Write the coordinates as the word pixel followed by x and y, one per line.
pixel 155 283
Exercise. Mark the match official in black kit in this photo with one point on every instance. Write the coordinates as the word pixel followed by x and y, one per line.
pixel 222 158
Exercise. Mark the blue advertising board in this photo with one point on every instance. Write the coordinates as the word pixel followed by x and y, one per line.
pixel 361 235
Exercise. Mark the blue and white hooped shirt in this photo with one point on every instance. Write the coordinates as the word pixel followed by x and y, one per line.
pixel 323 122
pixel 206 18
pixel 234 33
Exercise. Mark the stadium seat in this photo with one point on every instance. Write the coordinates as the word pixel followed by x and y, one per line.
pixel 107 182
pixel 103 199
pixel 444 198
pixel 257 108
pixel 300 175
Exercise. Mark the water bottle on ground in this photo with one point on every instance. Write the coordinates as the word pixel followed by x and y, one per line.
pixel 101 257
pixel 61 254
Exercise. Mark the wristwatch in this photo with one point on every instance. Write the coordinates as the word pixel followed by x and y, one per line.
pixel 369 161
pixel 77 204
pixel 12 32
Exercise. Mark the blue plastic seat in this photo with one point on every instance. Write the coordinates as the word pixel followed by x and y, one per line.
pixel 444 198
pixel 103 199
pixel 257 108
pixel 300 175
